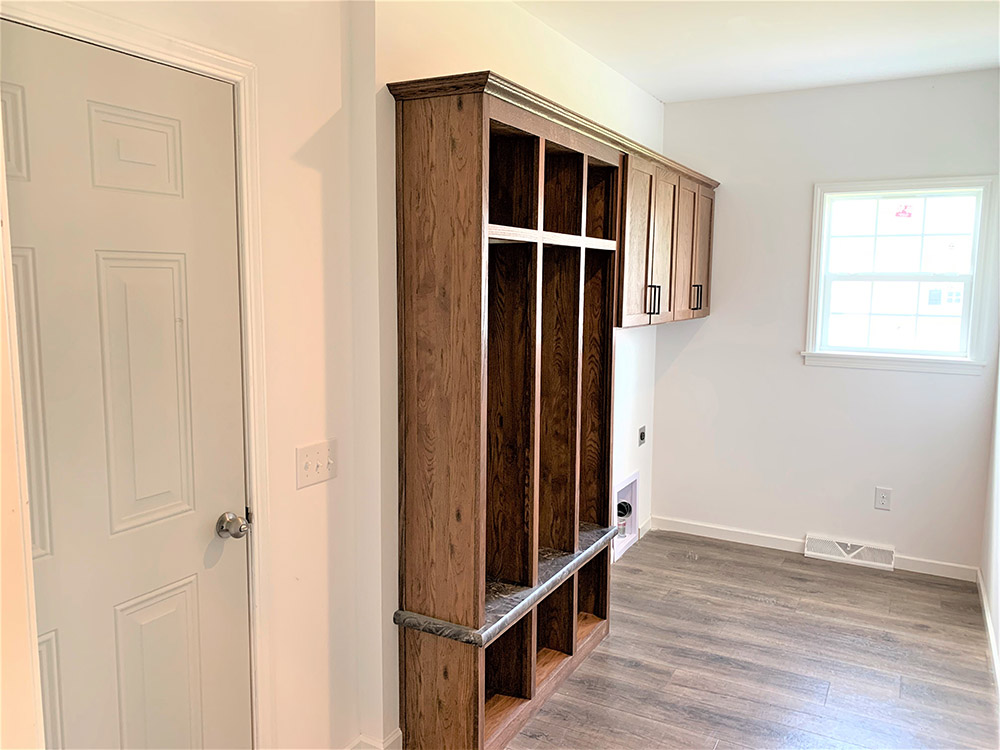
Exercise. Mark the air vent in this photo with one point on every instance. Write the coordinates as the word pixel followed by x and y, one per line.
pixel 855 553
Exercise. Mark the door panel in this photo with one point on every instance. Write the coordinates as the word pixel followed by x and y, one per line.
pixel 129 296
pixel 702 281
pixel 633 309
pixel 684 247
pixel 661 254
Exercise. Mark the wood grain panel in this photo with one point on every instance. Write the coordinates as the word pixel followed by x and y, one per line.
pixel 633 308
pixel 595 389
pixel 442 689
pixel 441 297
pixel 513 180
pixel 510 661
pixel 684 248
pixel 558 522
pixel 593 585
pixel 662 246
pixel 563 190
pixel 602 186
pixel 510 490
pixel 702 273
pixel 557 619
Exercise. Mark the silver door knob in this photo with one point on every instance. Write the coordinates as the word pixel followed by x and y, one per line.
pixel 231 525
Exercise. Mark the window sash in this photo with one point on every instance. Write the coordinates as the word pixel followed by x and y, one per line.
pixel 827 278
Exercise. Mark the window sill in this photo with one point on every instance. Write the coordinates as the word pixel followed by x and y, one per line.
pixel 906 363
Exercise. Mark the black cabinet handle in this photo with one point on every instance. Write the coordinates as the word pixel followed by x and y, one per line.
pixel 655 295
pixel 698 289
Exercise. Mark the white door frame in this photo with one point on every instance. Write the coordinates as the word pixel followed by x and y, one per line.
pixel 89 25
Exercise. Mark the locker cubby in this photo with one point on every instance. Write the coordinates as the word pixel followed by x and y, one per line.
pixel 556 630
pixel 513 177
pixel 595 385
pixel 508 678
pixel 602 195
pixel 592 595
pixel 509 413
pixel 559 376
pixel 563 207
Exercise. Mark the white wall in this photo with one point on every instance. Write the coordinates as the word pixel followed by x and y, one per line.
pixel 749 437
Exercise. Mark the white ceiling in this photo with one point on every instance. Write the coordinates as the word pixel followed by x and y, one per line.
pixel 679 51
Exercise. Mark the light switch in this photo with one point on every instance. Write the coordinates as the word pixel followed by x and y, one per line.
pixel 315 463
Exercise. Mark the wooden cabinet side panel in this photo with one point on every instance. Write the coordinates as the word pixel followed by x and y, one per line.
pixel 442 687
pixel 440 177
pixel 684 247
pixel 703 248
pixel 662 246
pixel 634 247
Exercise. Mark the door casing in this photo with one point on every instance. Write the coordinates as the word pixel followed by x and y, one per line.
pixel 88 25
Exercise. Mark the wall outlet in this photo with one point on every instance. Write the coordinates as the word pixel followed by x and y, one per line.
pixel 642 435
pixel 315 463
pixel 883 498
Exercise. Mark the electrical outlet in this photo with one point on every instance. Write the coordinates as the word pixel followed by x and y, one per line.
pixel 883 498
pixel 315 463
pixel 642 435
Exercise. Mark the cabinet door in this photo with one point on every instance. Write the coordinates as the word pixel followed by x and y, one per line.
pixel 701 282
pixel 662 247
pixel 633 300
pixel 684 247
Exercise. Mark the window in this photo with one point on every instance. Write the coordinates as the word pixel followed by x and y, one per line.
pixel 893 281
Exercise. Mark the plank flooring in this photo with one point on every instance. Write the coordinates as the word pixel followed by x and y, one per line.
pixel 722 646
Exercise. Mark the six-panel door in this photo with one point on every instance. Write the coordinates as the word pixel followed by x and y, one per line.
pixel 123 221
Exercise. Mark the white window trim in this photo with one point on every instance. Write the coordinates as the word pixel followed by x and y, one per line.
pixel 982 292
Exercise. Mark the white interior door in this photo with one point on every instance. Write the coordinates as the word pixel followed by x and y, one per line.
pixel 121 177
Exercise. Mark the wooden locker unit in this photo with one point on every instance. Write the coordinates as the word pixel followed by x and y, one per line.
pixel 507 229
pixel 511 236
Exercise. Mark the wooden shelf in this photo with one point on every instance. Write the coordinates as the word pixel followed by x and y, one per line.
pixel 547 662
pixel 586 623
pixel 501 233
pixel 506 603
pixel 500 711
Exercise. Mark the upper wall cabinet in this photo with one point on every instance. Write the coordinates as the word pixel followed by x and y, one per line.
pixel 666 249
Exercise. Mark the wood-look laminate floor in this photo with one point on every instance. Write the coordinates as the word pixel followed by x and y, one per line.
pixel 718 645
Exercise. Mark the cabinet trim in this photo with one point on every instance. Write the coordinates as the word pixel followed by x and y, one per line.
pixel 488 82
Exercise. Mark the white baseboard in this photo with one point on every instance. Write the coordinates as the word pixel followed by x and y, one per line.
pixel 392 742
pixel 936 568
pixel 790 544
pixel 729 534
pixel 991 633
pixel 645 526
